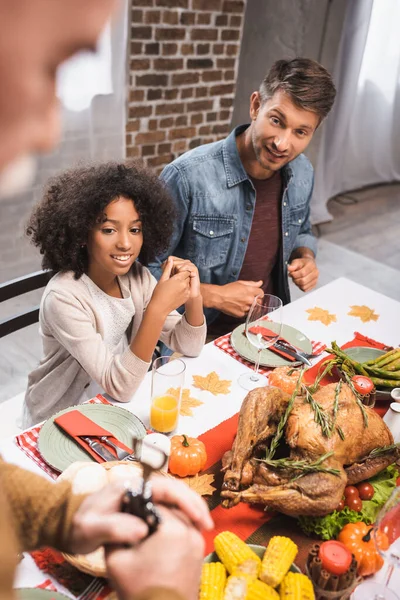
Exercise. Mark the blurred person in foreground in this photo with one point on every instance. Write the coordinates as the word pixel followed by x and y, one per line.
pixel 244 202
pixel 35 37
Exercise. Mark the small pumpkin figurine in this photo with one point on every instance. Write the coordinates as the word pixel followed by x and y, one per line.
pixel 188 455
pixel 357 537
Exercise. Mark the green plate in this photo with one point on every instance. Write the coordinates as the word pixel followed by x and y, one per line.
pixel 241 344
pixel 38 594
pixel 362 354
pixel 259 550
pixel 59 450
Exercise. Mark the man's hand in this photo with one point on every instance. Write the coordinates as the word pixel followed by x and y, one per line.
pixel 98 520
pixel 233 299
pixel 172 558
pixel 304 272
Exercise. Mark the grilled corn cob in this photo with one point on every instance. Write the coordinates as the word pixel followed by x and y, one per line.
pixel 278 557
pixel 261 591
pixel 213 579
pixel 233 552
pixel 296 586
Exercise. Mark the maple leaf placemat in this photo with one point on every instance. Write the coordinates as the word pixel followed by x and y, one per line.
pixel 365 313
pixel 200 484
pixel 187 402
pixel 212 383
pixel 320 314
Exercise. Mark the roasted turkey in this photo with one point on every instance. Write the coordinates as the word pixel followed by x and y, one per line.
pixel 249 479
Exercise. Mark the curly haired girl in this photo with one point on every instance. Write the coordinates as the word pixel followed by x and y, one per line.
pixel 102 312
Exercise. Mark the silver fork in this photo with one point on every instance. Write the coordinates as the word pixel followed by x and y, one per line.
pixel 121 454
pixel 93 590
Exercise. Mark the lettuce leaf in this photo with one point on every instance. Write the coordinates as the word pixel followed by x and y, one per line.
pixel 329 527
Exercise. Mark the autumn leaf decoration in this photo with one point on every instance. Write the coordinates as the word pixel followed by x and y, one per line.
pixel 212 383
pixel 187 402
pixel 364 313
pixel 201 484
pixel 319 314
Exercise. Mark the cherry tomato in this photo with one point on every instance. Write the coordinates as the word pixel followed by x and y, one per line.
pixel 365 490
pixel 335 557
pixel 350 491
pixel 398 481
pixel 340 506
pixel 363 385
pixel 354 503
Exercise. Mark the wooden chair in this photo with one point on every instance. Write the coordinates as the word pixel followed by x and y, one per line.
pixel 11 410
pixel 15 288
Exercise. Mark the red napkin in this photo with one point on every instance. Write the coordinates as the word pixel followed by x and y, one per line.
pixel 267 334
pixel 76 424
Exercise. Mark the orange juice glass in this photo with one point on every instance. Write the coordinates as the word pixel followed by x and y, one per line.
pixel 168 376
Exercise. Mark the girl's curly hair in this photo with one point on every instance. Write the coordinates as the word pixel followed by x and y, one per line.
pixel 75 200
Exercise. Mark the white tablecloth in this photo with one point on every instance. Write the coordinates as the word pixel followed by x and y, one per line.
pixel 336 297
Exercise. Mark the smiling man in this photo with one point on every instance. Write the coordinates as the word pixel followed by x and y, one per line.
pixel 244 202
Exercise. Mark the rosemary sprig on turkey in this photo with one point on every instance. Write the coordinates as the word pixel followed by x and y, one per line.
pixel 283 420
pixel 381 451
pixel 320 416
pixel 302 465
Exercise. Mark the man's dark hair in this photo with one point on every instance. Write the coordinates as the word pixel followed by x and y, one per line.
pixel 76 200
pixel 307 83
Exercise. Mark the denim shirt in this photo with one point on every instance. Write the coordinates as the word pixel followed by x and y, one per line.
pixel 215 205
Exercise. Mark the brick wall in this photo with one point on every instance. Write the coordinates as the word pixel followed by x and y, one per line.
pixel 183 63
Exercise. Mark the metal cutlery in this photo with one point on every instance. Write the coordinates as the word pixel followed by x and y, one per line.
pixel 98 448
pixel 294 352
pixel 121 454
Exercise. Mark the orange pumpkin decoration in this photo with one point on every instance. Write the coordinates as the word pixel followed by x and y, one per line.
pixel 357 537
pixel 188 455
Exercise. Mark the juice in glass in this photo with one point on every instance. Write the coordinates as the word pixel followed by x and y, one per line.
pixel 164 413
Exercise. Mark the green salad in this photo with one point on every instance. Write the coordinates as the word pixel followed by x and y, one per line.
pixel 329 527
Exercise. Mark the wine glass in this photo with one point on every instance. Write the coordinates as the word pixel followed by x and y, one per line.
pixel 263 328
pixel 387 540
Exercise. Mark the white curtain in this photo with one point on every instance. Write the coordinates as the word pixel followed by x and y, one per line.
pixel 360 143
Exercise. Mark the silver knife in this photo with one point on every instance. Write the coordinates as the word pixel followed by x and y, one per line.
pixel 98 449
pixel 294 353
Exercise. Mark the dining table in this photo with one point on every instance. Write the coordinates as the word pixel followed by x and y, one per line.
pixel 345 308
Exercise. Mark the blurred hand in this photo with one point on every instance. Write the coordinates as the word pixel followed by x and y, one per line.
pixel 180 265
pixel 304 272
pixel 235 298
pixel 172 558
pixel 172 290
pixel 98 520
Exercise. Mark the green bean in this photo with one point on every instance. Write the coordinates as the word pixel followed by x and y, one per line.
pixel 390 383
pixel 343 356
pixel 380 358
pixel 394 366
pixel 384 374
